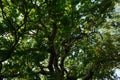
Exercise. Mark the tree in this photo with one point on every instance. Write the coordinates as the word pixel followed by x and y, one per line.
pixel 57 39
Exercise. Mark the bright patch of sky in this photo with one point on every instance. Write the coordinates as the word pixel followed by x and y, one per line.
pixel 77 6
pixel 117 72
pixel 117 8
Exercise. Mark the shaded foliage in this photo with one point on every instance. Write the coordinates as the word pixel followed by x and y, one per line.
pixel 58 39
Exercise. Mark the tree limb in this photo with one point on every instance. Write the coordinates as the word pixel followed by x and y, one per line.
pixel 53 56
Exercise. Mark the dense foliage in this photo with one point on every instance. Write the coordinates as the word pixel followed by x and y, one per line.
pixel 58 39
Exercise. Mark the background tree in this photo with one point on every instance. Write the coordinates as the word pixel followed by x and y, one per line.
pixel 58 39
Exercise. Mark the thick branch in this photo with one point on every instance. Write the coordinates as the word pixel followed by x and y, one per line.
pixel 62 66
pixel 54 32
pixel 53 56
pixel 62 63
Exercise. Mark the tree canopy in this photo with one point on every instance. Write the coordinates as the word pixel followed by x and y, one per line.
pixel 59 39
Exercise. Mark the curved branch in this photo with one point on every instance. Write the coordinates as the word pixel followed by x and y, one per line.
pixel 53 60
